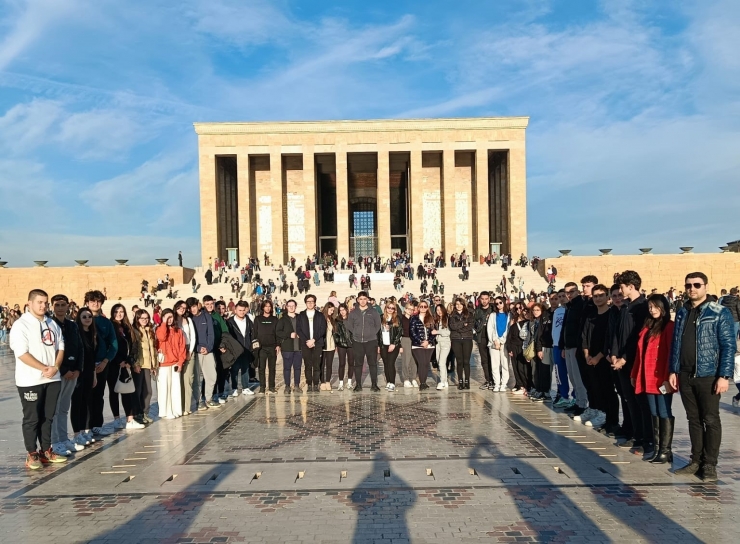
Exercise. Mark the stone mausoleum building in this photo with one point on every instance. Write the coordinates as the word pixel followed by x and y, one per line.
pixel 291 189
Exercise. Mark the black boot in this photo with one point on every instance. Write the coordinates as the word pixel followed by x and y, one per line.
pixel 467 384
pixel 650 455
pixel 665 455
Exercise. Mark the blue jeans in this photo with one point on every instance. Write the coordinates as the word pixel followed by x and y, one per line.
pixel 563 383
pixel 660 405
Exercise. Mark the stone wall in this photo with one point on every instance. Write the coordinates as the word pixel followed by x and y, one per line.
pixel 657 271
pixel 74 281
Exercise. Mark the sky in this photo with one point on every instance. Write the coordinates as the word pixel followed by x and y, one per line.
pixel 634 106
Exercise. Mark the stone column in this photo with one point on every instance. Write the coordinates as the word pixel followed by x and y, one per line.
pixel 517 201
pixel 245 224
pixel 416 204
pixel 276 191
pixel 384 203
pixel 449 220
pixel 208 208
pixel 482 213
pixel 342 203
pixel 310 205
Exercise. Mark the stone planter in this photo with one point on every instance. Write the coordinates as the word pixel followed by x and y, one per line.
pixel 686 249
pixel 605 251
pixel 41 264
pixel 162 261
pixel 82 262
pixel 121 262
pixel 646 250
pixel 725 249
pixel 564 252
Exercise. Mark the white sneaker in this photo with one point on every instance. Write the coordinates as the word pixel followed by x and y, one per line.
pixel 585 416
pixel 73 446
pixel 414 383
pixel 133 424
pixel 501 389
pixel 349 384
pixel 387 386
pixel 234 393
pixel 340 387
pixel 440 386
pixel 119 423
pixel 60 449
pixel 81 440
pixel 407 383
pixel 519 391
pixel 221 401
pixel 247 391
pixel 597 421
pixel 391 387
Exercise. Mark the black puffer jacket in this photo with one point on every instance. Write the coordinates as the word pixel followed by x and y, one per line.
pixel 461 327
pixel 732 303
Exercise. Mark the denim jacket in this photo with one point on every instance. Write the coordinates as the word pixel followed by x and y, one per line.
pixel 715 341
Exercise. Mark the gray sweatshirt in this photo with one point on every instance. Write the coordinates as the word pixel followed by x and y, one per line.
pixel 364 326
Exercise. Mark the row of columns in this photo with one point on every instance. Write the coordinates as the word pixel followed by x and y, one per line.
pixel 274 190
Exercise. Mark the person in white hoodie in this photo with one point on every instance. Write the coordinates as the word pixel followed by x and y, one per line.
pixel 497 329
pixel 38 345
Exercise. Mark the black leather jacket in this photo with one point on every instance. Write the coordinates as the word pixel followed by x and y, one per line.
pixel 396 333
pixel 342 336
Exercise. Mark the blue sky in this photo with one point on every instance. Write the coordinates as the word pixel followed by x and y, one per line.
pixel 634 136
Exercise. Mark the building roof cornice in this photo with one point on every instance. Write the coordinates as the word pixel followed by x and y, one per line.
pixel 372 125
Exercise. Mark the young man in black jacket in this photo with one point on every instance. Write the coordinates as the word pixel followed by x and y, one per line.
pixel 241 329
pixel 290 347
pixel 480 335
pixel 570 343
pixel 69 371
pixel 311 329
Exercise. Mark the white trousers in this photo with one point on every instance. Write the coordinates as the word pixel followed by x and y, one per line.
pixel 443 350
pixel 169 392
pixel 499 365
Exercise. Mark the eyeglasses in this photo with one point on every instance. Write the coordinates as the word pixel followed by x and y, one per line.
pixel 86 316
pixel 142 318
pixel 423 306
pixel 694 285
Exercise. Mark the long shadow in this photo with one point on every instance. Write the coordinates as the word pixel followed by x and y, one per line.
pixel 649 517
pixel 375 503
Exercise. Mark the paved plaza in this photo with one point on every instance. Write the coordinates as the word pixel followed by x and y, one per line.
pixel 452 466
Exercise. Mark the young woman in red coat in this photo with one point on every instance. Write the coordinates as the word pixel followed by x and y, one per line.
pixel 650 374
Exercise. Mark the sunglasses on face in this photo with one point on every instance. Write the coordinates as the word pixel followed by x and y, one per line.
pixel 694 285
pixel 423 307
pixel 86 316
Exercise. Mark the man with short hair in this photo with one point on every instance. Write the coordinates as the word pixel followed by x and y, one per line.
pixel 364 323
pixel 311 330
pixel 105 352
pixel 611 348
pixel 205 343
pixel 241 329
pixel 570 345
pixel 69 372
pixel 701 364
pixel 480 335
pixel 290 347
pixel 218 313
pixel 38 346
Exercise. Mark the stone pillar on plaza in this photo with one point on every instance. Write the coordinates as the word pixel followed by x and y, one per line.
pixel 208 209
pixel 517 200
pixel 384 203
pixel 342 203
pixel 449 220
pixel 309 188
pixel 416 184
pixel 482 215
pixel 243 206
pixel 276 192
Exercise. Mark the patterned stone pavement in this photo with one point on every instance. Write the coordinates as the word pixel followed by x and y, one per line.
pixel 372 467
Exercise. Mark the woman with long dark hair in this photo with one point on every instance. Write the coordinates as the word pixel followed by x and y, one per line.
pixel 422 342
pixel 461 334
pixel 171 346
pixel 146 357
pixel 515 348
pixel 126 367
pixel 389 342
pixel 82 395
pixel 190 367
pixel 266 344
pixel 650 375
pixel 541 379
pixel 343 340
pixel 444 344
pixel 327 353
pixel 498 329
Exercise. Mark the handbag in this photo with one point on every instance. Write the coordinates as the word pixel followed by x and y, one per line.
pixel 125 384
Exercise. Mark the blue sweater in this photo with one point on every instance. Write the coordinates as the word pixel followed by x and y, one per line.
pixel 107 341
pixel 204 332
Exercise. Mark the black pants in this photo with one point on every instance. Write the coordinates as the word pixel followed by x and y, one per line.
pixel 541 376
pixel 463 350
pixel 422 356
pixel 39 402
pixel 82 400
pixel 600 386
pixel 112 377
pixel 702 411
pixel 267 360
pixel 389 362
pixel 346 357
pixel 240 366
pixel 327 361
pixel 145 394
pixel 485 361
pixel 222 375
pixel 626 419
pixel 522 371
pixel 369 350
pixel 312 362
pixel 131 404
pixel 98 397
pixel 628 394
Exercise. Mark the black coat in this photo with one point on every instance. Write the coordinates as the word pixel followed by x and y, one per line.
pixel 233 348
pixel 245 342
pixel 319 328
pixel 74 354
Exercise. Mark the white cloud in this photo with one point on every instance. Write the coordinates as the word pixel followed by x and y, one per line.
pixel 99 133
pixel 242 23
pixel 25 127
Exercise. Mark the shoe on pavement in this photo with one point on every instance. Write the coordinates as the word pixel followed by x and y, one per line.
pixel 440 386
pixel 374 388
pixel 81 440
pixel 414 383
pixel 519 391
pixel 407 383
pixel 689 470
pixel 708 473
pixel 388 386
pixel 287 390
pixel 587 414
pixel 73 446
pixel 133 424
pixel 597 421
pixel 391 387
pixel 32 461
pixel 49 456
pixel 247 391
pixel 119 423
pixel 340 387
pixel 221 401
pixel 235 393
pixel 61 449
pixel 273 390
pixel 736 401
pixel 349 383
pixel 99 432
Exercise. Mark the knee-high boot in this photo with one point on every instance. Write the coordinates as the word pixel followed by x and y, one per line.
pixel 665 455
pixel 656 423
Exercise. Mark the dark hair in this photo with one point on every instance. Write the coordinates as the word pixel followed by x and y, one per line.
pixel 182 303
pixel 208 298
pixel 220 303
pixel 630 277
pixel 167 312
pixel 342 305
pixel 124 324
pixel 464 303
pixel 589 279
pixel 137 330
pixel 192 301
pixel 656 326
pixel 561 291
pixel 443 319
pixel 265 303
pixel 242 304
pixel 93 329
pixel 94 296
pixel 600 287
pixel 59 297
pixel 289 301
pixel 484 293
pixel 363 294
pixel 37 293
pixel 701 275
pixel 305 299
pixel 570 284
pixel 613 288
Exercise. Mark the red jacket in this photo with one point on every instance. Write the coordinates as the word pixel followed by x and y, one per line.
pixel 651 365
pixel 172 344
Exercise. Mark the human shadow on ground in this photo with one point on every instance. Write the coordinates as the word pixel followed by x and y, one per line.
pixel 382 510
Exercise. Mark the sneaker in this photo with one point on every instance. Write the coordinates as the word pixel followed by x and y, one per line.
pixel 587 414
pixel 519 391
pixel 689 470
pixel 391 387
pixel 88 436
pixel 577 411
pixel 287 390
pixel 736 401
pixel 49 456
pixel 484 385
pixel 501 389
pixel 212 404
pixel 273 390
pixel 81 441
pixel 119 423
pixel 440 386
pixel 32 461
pixel 234 393
pixel 414 383
pixel 133 424
pixel 374 388
pixel 349 383
pixel 597 421
pixel 73 446
pixel 61 449
pixel 388 386
pixel 407 383
pixel 562 403
pixel 247 391
pixel 708 473
pixel 539 397
pixel 221 400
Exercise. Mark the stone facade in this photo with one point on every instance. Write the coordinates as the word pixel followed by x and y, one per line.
pixel 280 179
pixel 75 281
pixel 657 271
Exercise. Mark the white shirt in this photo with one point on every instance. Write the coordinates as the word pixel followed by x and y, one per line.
pixel 557 324
pixel 188 329
pixel 242 324
pixel 42 339
pixel 310 314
